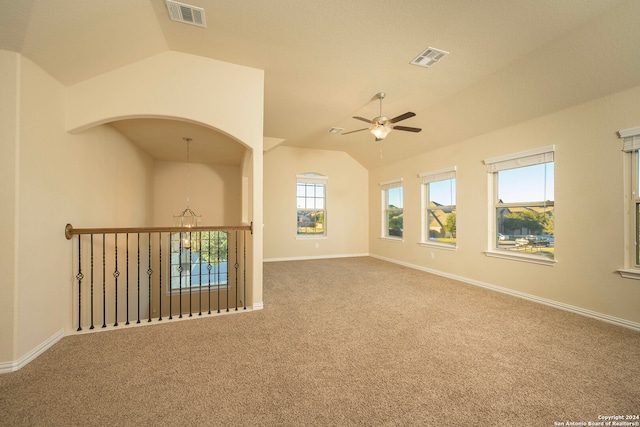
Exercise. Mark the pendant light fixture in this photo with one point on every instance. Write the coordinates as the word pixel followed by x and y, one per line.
pixel 187 218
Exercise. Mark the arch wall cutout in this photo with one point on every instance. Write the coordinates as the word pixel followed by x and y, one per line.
pixel 222 97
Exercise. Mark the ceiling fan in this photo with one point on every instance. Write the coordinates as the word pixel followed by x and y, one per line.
pixel 382 125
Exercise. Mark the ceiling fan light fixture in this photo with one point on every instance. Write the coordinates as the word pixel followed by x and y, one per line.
pixel 380 131
pixel 382 125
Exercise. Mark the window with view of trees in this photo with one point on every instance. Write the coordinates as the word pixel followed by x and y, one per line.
pixel 439 207
pixel 392 209
pixel 311 197
pixel 524 202
pixel 199 259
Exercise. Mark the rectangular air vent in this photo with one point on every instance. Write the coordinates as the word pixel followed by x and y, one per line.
pixel 186 13
pixel 429 57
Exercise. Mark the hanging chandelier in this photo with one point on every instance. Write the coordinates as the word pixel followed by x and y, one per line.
pixel 187 218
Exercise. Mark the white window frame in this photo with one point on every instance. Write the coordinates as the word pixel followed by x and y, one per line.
pixel 512 161
pixel 384 198
pixel 631 148
pixel 313 178
pixel 425 180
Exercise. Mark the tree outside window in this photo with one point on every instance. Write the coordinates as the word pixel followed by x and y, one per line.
pixel 311 195
pixel 439 207
pixel 393 205
pixel 199 259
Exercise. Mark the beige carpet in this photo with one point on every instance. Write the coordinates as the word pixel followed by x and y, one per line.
pixel 341 342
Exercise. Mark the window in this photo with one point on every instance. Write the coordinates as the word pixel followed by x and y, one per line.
pixel 439 207
pixel 631 138
pixel 311 197
pixel 392 204
pixel 523 203
pixel 199 259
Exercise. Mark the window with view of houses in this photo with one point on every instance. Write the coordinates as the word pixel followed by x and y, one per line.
pixel 523 190
pixel 311 202
pixel 439 207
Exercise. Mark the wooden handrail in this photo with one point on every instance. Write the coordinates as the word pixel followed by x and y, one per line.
pixel 69 231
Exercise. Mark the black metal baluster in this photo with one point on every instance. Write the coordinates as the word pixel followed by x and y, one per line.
pixel 160 267
pixel 199 234
pixel 228 277
pixel 209 268
pixel 180 274
pixel 104 284
pixel 190 284
pixel 116 274
pixel 127 305
pixel 218 266
pixel 79 276
pixel 149 273
pixel 138 278
pixel 170 282
pixel 92 326
pixel 236 265
pixel 244 270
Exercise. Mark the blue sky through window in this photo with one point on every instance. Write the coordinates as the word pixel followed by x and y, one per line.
pixel 394 196
pixel 443 192
pixel 527 184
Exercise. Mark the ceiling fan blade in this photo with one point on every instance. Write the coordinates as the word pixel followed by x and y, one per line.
pixel 406 128
pixel 402 117
pixel 352 131
pixel 363 119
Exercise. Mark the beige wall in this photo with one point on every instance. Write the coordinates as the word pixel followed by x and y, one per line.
pixel 215 192
pixel 94 178
pixel 227 95
pixel 589 198
pixel 347 200
pixel 9 134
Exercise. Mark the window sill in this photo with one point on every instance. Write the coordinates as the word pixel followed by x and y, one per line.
pixel 443 246
pixel 393 239
pixel 534 259
pixel 629 273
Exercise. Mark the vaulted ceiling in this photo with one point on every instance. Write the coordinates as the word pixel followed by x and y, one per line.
pixel 509 61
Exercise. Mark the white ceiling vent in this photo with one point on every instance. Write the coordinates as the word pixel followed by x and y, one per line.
pixel 429 57
pixel 186 13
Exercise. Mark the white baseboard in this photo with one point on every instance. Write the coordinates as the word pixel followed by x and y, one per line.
pixel 7 367
pixel 556 304
pixel 257 306
pixel 303 258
